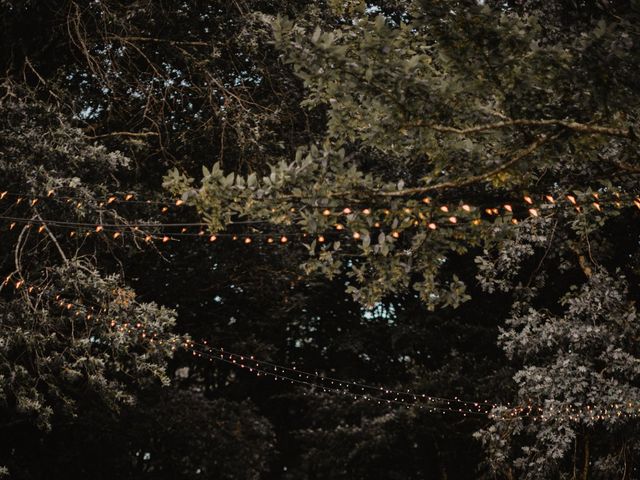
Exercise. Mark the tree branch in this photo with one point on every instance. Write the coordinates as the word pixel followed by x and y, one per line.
pixel 124 134
pixel 541 140
pixel 568 124
pixel 161 40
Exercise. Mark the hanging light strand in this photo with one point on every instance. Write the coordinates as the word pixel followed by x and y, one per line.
pixel 531 411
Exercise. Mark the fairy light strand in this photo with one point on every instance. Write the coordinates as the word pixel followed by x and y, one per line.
pixel 497 412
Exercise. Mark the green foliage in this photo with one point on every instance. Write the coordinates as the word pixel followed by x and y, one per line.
pixel 299 109
pixel 459 103
pixel 424 108
pixel 579 365
pixel 54 357
pixel 74 338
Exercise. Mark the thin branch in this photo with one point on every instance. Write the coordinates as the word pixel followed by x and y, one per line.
pixel 124 134
pixel 628 167
pixel 53 238
pixel 568 124
pixel 160 40
pixel 542 139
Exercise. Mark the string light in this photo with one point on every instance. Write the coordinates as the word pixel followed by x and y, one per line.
pixel 118 230
pixel 356 390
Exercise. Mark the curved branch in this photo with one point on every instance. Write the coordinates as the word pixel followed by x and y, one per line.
pixel 541 140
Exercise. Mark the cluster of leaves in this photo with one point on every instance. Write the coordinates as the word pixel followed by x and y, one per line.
pixel 56 353
pixel 579 364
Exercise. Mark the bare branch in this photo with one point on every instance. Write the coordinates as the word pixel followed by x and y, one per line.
pixel 160 40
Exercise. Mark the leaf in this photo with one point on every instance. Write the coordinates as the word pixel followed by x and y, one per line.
pixel 316 35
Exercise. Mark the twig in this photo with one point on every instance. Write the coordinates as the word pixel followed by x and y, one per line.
pixel 568 124
pixel 53 238
pixel 542 139
pixel 160 40
pixel 124 134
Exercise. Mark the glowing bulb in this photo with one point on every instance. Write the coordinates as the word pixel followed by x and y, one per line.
pixel 212 238
pixel 110 200
pixel 346 211
pixel 339 226
pixel 508 208
pixel 3 194
pixel 41 229
pixel 453 219
pixel 395 234
pixel 128 197
pixel 571 199
pixel 116 235
pixel 283 239
pixel 321 239
pixel 444 208
pixel 596 205
pixel 528 199
pixel 99 228
pixel 366 211
pixel 247 240
pixel 533 212
pixel 326 212
pixel 432 226
pixel 179 202
pixel 165 239
pixel 269 240
pixel 164 209
pixel 466 208
pixel 356 235
pixel 426 200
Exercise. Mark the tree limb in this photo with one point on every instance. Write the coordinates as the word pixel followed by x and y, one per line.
pixel 124 134
pixel 542 139
pixel 568 124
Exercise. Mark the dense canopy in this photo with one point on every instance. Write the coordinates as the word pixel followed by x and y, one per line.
pixel 304 239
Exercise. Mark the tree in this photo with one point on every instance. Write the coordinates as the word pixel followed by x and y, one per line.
pixel 339 129
pixel 581 369
pixel 449 110
pixel 74 339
